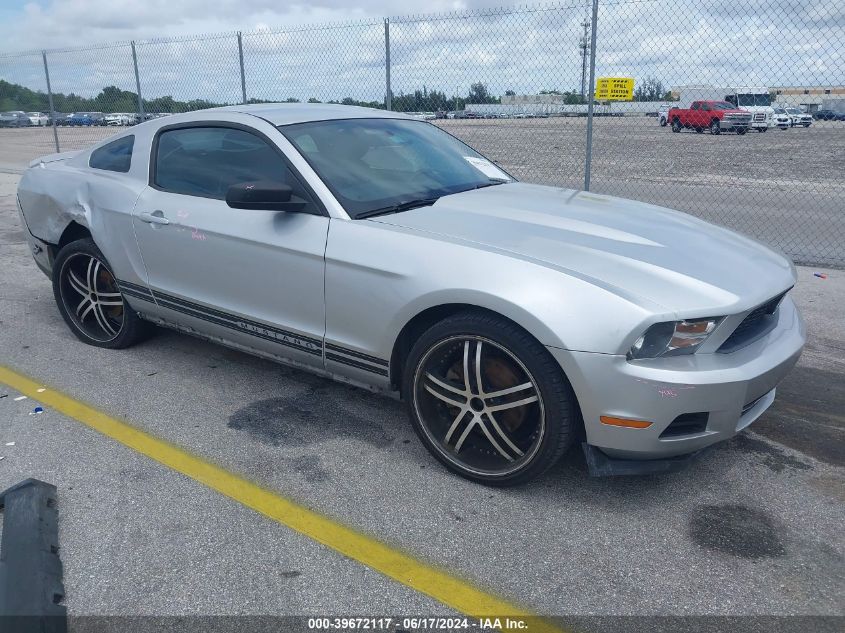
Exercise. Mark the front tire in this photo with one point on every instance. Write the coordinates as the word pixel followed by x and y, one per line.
pixel 762 129
pixel 715 129
pixel 90 300
pixel 487 400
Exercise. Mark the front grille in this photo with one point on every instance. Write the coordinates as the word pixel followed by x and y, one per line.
pixel 760 116
pixel 755 325
pixel 687 424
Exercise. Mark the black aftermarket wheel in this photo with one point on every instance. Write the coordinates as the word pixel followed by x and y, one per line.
pixel 89 299
pixel 488 400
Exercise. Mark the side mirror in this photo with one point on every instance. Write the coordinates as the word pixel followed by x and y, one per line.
pixel 263 196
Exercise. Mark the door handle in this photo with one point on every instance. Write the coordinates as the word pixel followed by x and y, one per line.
pixel 156 217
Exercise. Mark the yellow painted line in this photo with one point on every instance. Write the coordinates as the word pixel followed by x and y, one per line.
pixel 427 579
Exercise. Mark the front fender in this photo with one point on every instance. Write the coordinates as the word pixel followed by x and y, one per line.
pixel 379 277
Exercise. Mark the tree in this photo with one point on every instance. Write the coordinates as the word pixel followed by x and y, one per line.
pixel 571 97
pixel 478 93
pixel 510 93
pixel 650 89
pixel 313 100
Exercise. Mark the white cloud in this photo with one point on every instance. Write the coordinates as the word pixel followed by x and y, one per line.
pixel 788 42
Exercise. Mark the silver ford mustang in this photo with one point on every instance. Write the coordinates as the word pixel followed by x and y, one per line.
pixel 514 319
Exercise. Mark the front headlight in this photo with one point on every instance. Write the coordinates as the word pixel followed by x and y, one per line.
pixel 673 338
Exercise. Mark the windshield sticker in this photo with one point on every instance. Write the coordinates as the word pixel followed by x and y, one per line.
pixel 486 167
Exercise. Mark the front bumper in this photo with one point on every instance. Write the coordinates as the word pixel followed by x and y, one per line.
pixel 732 390
pixel 734 124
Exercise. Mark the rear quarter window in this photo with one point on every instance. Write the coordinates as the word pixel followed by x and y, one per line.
pixel 116 156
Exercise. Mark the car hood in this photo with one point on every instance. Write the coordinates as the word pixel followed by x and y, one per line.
pixel 636 250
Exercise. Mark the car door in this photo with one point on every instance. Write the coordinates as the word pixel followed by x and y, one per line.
pixel 695 115
pixel 250 277
pixel 703 116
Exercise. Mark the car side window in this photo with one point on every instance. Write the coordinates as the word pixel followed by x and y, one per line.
pixel 695 106
pixel 206 161
pixel 116 156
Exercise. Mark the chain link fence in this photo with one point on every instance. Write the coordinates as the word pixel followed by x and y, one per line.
pixel 519 84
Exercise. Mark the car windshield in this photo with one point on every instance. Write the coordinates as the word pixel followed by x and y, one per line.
pixel 723 105
pixel 754 99
pixel 385 164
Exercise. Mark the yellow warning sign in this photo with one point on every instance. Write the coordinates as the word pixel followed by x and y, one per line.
pixel 615 89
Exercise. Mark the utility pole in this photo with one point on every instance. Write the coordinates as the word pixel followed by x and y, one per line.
pixel 584 45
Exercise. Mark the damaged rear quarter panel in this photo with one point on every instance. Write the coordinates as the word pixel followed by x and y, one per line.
pixel 54 194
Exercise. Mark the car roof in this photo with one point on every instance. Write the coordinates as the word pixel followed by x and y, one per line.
pixel 287 113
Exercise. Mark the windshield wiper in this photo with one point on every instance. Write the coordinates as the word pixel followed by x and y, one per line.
pixel 398 208
pixel 491 182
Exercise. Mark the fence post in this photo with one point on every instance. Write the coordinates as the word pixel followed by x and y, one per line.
pixel 138 83
pixel 388 94
pixel 50 101
pixel 592 93
pixel 241 59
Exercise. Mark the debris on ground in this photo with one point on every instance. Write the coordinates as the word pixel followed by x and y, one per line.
pixel 36 411
pixel 820 275
pixel 10 443
pixel 20 398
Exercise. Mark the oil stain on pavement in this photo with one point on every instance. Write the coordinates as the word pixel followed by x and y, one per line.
pixel 737 530
pixel 308 417
pixel 772 456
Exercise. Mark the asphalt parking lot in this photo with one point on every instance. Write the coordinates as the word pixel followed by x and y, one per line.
pixel 753 529
pixel 784 187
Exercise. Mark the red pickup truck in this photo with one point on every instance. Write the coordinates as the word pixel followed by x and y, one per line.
pixel 716 116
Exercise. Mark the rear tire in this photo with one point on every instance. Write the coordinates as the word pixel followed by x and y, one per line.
pixel 676 125
pixel 762 129
pixel 90 300
pixel 450 383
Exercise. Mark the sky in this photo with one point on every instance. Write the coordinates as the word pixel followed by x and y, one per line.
pixel 753 42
